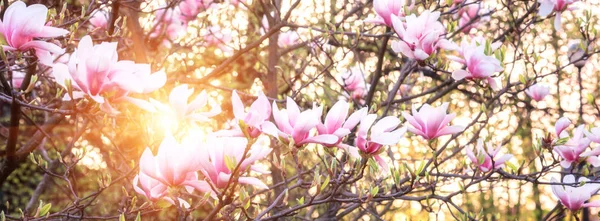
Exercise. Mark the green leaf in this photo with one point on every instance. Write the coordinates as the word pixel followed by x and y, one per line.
pixel 300 201
pixel 138 217
pixel 230 162
pixel 374 191
pixel 45 209
pixel 122 217
pixel 325 183
pixel 522 79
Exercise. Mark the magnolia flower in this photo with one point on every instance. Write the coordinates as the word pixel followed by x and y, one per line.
pixel 560 126
pixel 175 165
pixel 17 78
pixel 95 71
pixel 287 39
pixel 219 38
pixel 257 115
pixel 431 122
pixel 547 6
pixel 371 138
pixel 354 82
pixel 479 65
pixel 153 189
pixel 167 22
pixel 469 17
pixel 484 157
pixel 21 24
pixel 538 91
pixel 572 150
pixel 295 126
pixel 420 36
pixel 220 156
pixel 577 54
pixel 336 122
pixel 99 19
pixel 386 8
pixel 182 110
pixel 189 10
pixel 573 198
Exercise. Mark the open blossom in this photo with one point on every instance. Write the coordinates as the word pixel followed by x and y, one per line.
pixel 386 8
pixel 256 116
pixel 354 82
pixel 420 36
pixel 538 91
pixel 21 24
pixel 95 71
pixel 287 39
pixel 17 79
pixel 479 65
pixel 99 19
pixel 295 126
pixel 574 198
pixel 573 150
pixel 218 151
pixel 370 138
pixel 336 122
pixel 469 17
pixel 182 109
pixel 431 122
pixel 168 23
pixel 217 37
pixel 548 6
pixel 153 189
pixel 486 160
pixel 174 165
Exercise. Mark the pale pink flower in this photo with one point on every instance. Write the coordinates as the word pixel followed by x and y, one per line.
pixel 560 126
pixel 99 20
pixel 479 65
pixel 287 39
pixel 258 113
pixel 219 38
pixel 548 6
pixel 420 36
pixel 572 150
pixel 95 71
pixel 486 160
pixel 469 17
pixel 220 156
pixel 354 82
pixel 336 122
pixel 21 24
pixel 386 8
pixel 17 79
pixel 168 23
pixel 174 165
pixel 573 198
pixel 295 126
pixel 182 109
pixel 151 188
pixel 538 91
pixel 431 122
pixel 370 138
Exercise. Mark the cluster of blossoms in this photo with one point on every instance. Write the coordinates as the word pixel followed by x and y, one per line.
pixel 95 73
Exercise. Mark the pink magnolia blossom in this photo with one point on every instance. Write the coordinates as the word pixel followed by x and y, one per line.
pixel 99 20
pixel 21 24
pixel 295 126
pixel 218 151
pixel 469 17
pixel 175 165
pixel 370 138
pixel 168 22
pixel 420 36
pixel 287 39
pixel 573 198
pixel 17 79
pixel 486 160
pixel 538 91
pixel 479 65
pixel 559 6
pixel 219 38
pixel 256 116
pixel 572 150
pixel 153 189
pixel 431 122
pixel 95 71
pixel 336 122
pixel 182 109
pixel 386 8
pixel 354 82
pixel 560 126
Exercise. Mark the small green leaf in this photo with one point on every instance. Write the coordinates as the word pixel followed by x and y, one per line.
pixel 138 217
pixel 45 209
pixel 230 162
pixel 325 183
pixel 300 201
pixel 374 191
pixel 122 217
